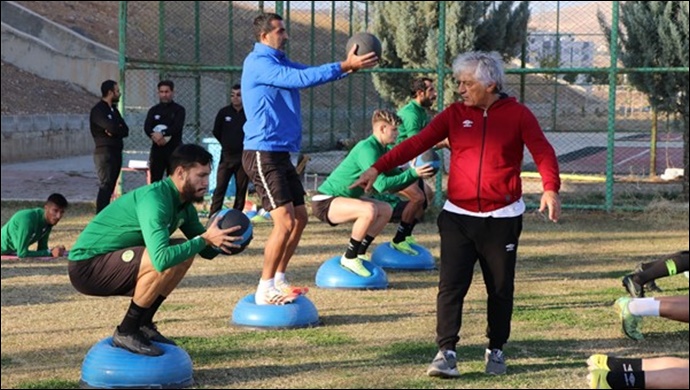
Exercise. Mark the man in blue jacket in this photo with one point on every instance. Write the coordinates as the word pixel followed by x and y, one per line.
pixel 270 92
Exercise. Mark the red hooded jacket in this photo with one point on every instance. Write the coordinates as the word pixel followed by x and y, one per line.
pixel 486 152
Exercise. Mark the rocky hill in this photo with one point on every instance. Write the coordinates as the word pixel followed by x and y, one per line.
pixel 24 93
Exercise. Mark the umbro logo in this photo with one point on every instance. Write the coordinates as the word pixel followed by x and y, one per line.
pixel 467 123
pixel 510 247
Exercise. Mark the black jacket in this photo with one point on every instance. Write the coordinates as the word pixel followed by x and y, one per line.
pixel 169 114
pixel 107 126
pixel 228 129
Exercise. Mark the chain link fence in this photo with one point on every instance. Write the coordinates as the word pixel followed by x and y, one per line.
pixel 612 148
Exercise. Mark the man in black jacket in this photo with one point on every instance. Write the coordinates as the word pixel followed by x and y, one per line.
pixel 228 130
pixel 164 124
pixel 108 130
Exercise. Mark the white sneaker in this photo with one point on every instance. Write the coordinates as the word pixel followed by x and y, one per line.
pixel 288 288
pixel 273 296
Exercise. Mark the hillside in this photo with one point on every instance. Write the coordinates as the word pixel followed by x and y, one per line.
pixel 26 93
pixel 98 21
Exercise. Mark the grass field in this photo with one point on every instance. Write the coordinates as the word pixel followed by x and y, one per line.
pixel 567 279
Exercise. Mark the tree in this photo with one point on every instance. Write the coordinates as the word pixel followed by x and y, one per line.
pixel 409 34
pixel 655 34
pixel 549 61
pixel 570 77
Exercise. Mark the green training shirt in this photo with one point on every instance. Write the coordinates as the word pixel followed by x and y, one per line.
pixel 23 229
pixel 361 158
pixel 147 216
pixel 414 119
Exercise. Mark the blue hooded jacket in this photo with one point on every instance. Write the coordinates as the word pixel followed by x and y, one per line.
pixel 270 95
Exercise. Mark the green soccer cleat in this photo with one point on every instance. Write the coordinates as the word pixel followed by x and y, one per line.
pixel 597 379
pixel 630 323
pixel 411 240
pixel 404 247
pixel 355 265
pixel 598 362
pixel 364 257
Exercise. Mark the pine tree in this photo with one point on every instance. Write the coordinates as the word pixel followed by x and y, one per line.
pixel 655 34
pixel 409 35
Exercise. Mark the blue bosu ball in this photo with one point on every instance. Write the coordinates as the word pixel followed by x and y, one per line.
pixel 299 314
pixel 106 366
pixel 332 275
pixel 386 257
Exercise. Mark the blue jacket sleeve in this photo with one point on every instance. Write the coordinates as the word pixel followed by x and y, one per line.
pixel 295 76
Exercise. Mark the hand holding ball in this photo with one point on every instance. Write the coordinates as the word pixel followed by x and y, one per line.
pixel 159 129
pixel 428 157
pixel 366 43
pixel 228 218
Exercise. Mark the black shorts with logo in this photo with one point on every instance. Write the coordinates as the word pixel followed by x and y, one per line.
pixel 113 273
pixel 275 179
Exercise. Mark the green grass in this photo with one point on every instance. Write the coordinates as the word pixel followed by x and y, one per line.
pixel 567 278
pixel 50 384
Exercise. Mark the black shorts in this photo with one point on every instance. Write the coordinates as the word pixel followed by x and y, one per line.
pixel 320 204
pixel 275 179
pixel 113 273
pixel 398 211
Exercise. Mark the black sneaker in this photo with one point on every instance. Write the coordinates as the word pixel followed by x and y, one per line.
pixel 651 285
pixel 635 290
pixel 151 332
pixel 135 342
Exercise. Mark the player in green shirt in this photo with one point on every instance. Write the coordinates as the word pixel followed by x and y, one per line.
pixel 336 203
pixel 414 114
pixel 126 250
pixel 415 117
pixel 34 225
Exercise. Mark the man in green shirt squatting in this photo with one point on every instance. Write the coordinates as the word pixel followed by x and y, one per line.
pixel 336 203
pixel 34 225
pixel 126 250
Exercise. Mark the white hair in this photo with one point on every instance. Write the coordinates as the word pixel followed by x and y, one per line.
pixel 486 67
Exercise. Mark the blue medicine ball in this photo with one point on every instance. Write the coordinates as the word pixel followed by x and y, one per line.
pixel 229 218
pixel 429 157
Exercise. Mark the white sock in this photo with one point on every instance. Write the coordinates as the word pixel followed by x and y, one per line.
pixel 265 284
pixel 648 307
pixel 280 278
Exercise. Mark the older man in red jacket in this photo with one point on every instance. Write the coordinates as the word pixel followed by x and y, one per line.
pixel 482 217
